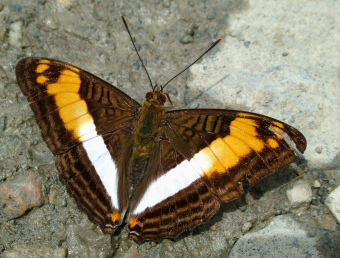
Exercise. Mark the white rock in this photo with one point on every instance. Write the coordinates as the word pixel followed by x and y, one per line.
pixel 300 194
pixel 246 227
pixel 316 184
pixel 15 34
pixel 333 202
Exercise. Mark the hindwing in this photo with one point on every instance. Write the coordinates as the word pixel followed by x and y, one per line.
pixel 204 157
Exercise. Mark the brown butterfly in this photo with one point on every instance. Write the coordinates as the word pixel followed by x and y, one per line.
pixel 167 172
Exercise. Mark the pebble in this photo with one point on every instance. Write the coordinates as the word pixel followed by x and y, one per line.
pixel 247 43
pixel 186 39
pixel 316 184
pixel 20 194
pixel 246 227
pixel 15 34
pixel 333 203
pixel 300 194
pixel 322 175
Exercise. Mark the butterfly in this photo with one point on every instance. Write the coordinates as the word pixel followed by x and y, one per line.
pixel 164 172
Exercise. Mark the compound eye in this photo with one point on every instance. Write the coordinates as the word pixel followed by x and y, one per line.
pixel 163 98
pixel 148 95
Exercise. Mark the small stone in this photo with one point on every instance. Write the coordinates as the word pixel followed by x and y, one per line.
pixel 279 212
pixel 3 123
pixel 243 208
pixel 186 39
pixel 323 198
pixel 137 65
pixel 247 43
pixel 285 54
pixel 133 252
pixel 53 196
pixel 333 203
pixel 213 228
pixel 316 184
pixel 318 149
pixel 166 3
pixel 20 194
pixel 212 15
pixel 300 195
pixel 246 227
pixel 332 182
pixel 315 202
pixel 15 34
pixel 322 175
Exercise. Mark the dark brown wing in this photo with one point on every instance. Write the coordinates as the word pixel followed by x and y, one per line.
pixel 70 104
pixel 204 155
pixel 87 123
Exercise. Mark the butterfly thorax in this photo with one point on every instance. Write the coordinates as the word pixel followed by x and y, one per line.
pixel 144 139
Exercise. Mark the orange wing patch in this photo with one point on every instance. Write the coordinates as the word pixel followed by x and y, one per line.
pixel 273 143
pixel 115 216
pixel 42 79
pixel 42 68
pixel 72 109
pixel 134 222
pixel 227 152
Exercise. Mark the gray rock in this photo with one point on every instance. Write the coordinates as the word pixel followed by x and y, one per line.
pixel 286 237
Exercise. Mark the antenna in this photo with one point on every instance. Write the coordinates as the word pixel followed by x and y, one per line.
pixel 214 44
pixel 127 28
pixel 162 87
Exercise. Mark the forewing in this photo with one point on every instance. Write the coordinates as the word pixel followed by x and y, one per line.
pixel 88 123
pixel 70 104
pixel 203 159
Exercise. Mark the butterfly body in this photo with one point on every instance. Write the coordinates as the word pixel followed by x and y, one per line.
pixel 165 172
pixel 146 134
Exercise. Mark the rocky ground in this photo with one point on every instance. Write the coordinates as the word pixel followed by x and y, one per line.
pixel 277 58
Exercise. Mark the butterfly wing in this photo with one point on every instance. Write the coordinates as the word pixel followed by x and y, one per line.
pixel 88 123
pixel 203 158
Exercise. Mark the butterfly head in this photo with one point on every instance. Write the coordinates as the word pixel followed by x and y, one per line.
pixel 156 95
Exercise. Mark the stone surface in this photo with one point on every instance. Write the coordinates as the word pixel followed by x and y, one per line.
pixel 333 203
pixel 286 237
pixel 279 59
pixel 18 195
pixel 34 252
pixel 300 194
pixel 86 240
pixel 301 89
